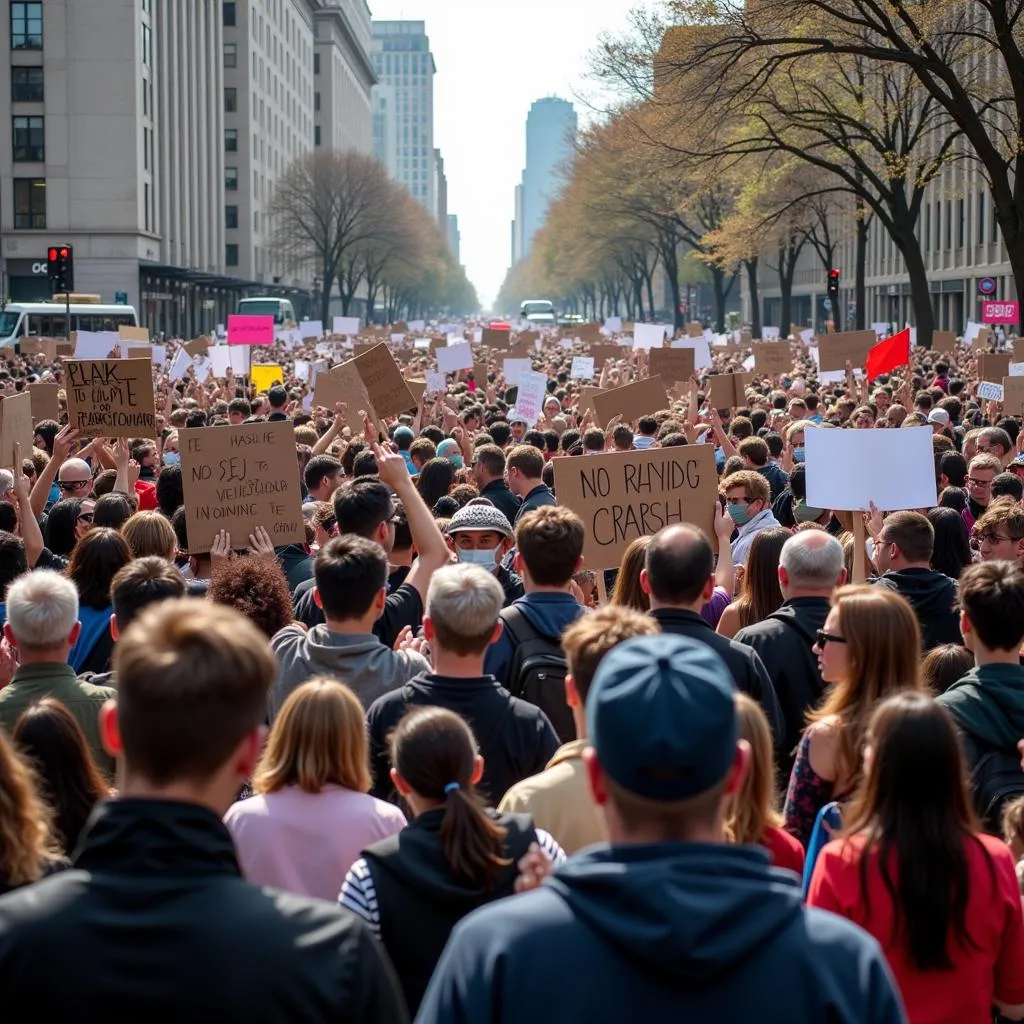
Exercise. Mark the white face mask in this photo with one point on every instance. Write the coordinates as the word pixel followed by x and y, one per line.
pixel 486 557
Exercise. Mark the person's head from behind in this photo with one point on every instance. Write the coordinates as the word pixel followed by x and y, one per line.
pixel 112 510
pixel 351 580
pixel 42 616
pixel 754 452
pixel 139 584
pixel 96 560
pixel 192 684
pixel 150 533
pixel 762 593
pixel 13 561
pixel 995 441
pixel 435 480
pixel 913 807
pixel 60 534
pixel 992 608
pixel 811 564
pixel 366 508
pixel 461 615
pixel 944 665
pixel 999 532
pixel 435 764
pixel 753 808
pixel 318 739
pixel 524 467
pixel 170 492
pixel 952 469
pixel 256 587
pixel 951 552
pixel 549 542
pixel 1007 485
pixel 627 592
pixel 665 754
pixel 239 410
pixel 1013 827
pixel 27 839
pixel 905 542
pixel 678 568
pixel 278 397
pixel 53 741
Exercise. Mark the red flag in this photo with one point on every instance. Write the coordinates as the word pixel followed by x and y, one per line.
pixel 888 355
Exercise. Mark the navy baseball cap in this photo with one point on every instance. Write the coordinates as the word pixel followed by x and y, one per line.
pixel 661 715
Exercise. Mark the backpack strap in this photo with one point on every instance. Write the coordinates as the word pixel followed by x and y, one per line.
pixel 521 628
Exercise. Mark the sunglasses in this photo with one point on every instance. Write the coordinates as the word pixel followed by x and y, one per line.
pixel 824 639
pixel 72 485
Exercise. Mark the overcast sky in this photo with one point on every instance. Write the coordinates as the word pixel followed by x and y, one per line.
pixel 493 60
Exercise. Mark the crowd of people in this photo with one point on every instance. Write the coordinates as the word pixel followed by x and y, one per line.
pixel 429 763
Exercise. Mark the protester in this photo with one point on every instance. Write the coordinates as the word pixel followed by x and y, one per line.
pixel 311 816
pixel 951 550
pixel 999 532
pixel 914 872
pixel 156 866
pixel 489 473
pixel 454 857
pixel 524 469
pixel 257 587
pixel 480 534
pixel 558 799
pixel 461 621
pixel 671 921
pixel 869 649
pixel 760 594
pixel 627 592
pixel 747 501
pixel 945 665
pixel 981 471
pixel 150 533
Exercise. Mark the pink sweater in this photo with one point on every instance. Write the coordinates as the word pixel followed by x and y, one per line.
pixel 306 842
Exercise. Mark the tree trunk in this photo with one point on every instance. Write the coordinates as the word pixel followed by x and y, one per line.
pixel 755 298
pixel 325 298
pixel 721 289
pixel 860 269
pixel 920 295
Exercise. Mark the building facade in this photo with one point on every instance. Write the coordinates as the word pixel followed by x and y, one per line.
pixel 343 76
pixel 454 237
pixel 403 107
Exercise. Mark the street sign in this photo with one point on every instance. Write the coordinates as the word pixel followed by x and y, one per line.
pixel 986 286
pixel 1000 313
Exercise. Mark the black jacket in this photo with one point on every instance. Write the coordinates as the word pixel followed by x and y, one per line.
pixel 420 899
pixel 537 498
pixel 515 738
pixel 933 597
pixel 500 496
pixel 783 641
pixel 747 669
pixel 155 923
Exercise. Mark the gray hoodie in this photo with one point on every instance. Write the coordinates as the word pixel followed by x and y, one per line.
pixel 359 660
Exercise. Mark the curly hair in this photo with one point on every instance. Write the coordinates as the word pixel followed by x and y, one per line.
pixel 256 587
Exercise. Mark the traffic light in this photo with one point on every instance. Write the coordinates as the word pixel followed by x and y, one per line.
pixel 60 268
pixel 833 284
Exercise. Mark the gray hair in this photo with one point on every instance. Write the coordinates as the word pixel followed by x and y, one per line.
pixel 6 480
pixel 42 609
pixel 812 559
pixel 464 600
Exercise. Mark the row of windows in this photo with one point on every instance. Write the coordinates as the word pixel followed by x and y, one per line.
pixel 26 25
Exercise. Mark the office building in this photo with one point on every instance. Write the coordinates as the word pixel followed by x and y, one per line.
pixel 441 191
pixel 343 76
pixel 454 237
pixel 403 108
pixel 517 226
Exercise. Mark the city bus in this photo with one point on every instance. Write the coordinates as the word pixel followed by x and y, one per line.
pixel 280 309
pixel 49 319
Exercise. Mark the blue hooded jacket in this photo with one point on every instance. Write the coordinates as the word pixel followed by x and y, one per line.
pixel 668 932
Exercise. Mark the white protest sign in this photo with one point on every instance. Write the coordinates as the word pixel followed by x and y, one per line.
pixel 748 363
pixel 582 368
pixel 530 397
pixel 564 343
pixel 454 358
pixel 320 366
pixel 513 368
pixel 416 326
pixel 324 348
pixel 990 391
pixel 302 369
pixel 289 337
pixel 220 359
pixel 311 329
pixel 769 334
pixel 1015 370
pixel 346 325
pixel 807 336
pixel 882 330
pixel 848 469
pixel 478 335
pixel 701 351
pixel 613 324
pixel 95 344
pixel 182 361
pixel 436 382
pixel 648 336
pixel 397 339
pixel 971 331
pixel 421 343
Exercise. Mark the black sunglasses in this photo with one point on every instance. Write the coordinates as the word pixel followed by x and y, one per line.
pixel 824 639
pixel 71 485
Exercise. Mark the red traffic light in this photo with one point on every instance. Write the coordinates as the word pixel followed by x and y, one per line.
pixel 51 255
pixel 833 275
pixel 63 254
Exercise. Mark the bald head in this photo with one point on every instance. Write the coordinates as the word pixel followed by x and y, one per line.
pixel 679 563
pixel 811 561
pixel 75 478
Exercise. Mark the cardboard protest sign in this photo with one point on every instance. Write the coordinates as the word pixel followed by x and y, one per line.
pixel 582 368
pixel 138 352
pixel 250 329
pixel 265 375
pixel 527 339
pixel 111 397
pixel 342 384
pixel 45 401
pixel 493 338
pixel 631 401
pixel 844 469
pixel 198 347
pixel 384 382
pixel 15 429
pixel 694 329
pixel 982 341
pixel 993 366
pixel 521 350
pixel 727 390
pixel 417 388
pixel 944 341
pixel 128 333
pixel 345 325
pixel 1013 396
pixel 672 364
pixel 238 478
pixel 602 353
pixel 1018 350
pixel 836 350
pixel 625 495
pixel 772 357
pixel 480 372
pixel 588 332
pixel 453 358
pixel 532 389
pixel 586 403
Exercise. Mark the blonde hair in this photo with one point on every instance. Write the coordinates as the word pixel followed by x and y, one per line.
pixel 318 739
pixel 150 533
pixel 627 592
pixel 753 808
pixel 883 649
pixel 26 834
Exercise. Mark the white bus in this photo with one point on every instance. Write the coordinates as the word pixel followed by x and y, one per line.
pixel 280 309
pixel 48 319
pixel 538 311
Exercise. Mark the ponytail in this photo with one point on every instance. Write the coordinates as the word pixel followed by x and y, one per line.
pixel 472 841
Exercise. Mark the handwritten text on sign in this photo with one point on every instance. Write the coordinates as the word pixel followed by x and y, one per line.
pixel 111 397
pixel 238 478
pixel 622 496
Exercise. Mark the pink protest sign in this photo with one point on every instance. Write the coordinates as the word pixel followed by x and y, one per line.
pixel 1000 312
pixel 246 329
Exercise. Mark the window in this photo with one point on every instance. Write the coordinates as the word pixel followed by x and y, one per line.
pixel 146 203
pixel 231 216
pixel 27 26
pixel 29 203
pixel 230 100
pixel 316 136
pixel 230 179
pixel 145 148
pixel 229 13
pixel 231 254
pixel 316 101
pixel 27 85
pixel 316 63
pixel 147 40
pixel 28 140
pixel 230 55
pixel 145 99
pixel 230 140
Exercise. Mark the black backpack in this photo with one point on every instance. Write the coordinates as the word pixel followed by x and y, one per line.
pixel 996 780
pixel 537 672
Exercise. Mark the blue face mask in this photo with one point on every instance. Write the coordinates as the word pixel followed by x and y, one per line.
pixel 485 557
pixel 739 514
pixel 172 458
pixel 799 454
pixel 456 461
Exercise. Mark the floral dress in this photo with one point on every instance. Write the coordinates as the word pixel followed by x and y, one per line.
pixel 808 792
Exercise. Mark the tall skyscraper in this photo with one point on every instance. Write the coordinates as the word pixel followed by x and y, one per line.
pixel 403 119
pixel 343 76
pixel 441 191
pixel 550 135
pixel 454 237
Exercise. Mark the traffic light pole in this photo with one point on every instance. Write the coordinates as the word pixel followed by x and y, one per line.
pixel 67 314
